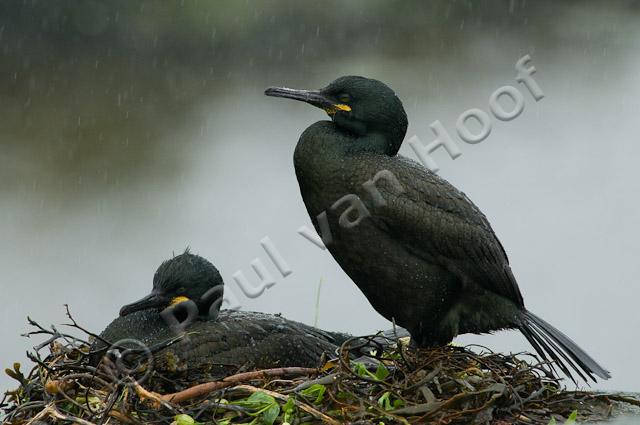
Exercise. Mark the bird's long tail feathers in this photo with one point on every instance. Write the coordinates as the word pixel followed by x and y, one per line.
pixel 549 342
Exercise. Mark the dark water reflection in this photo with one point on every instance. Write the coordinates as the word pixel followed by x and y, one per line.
pixel 131 129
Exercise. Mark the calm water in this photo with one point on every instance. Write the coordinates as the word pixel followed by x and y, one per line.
pixel 101 183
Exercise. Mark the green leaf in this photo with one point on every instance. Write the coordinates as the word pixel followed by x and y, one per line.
pixel 552 421
pixel 184 420
pixel 260 397
pixel 271 414
pixel 316 390
pixel 289 409
pixel 384 402
pixel 257 401
pixel 381 372
pixel 265 408
pixel 389 403
pixel 572 418
pixel 289 406
pixel 361 370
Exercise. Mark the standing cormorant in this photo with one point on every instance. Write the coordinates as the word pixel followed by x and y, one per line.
pixel 421 252
pixel 184 307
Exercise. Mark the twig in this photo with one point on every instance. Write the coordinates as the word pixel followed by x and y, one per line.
pixel 51 411
pixel 75 324
pixel 343 357
pixel 143 393
pixel 623 399
pixel 206 388
pixel 325 380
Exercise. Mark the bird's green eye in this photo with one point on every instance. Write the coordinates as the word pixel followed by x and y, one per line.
pixel 344 98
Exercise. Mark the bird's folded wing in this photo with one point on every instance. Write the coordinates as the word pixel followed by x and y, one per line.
pixel 435 221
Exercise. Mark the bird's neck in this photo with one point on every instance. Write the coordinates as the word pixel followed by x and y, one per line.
pixel 325 138
pixel 375 143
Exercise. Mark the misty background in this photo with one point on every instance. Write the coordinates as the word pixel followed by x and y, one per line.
pixel 130 130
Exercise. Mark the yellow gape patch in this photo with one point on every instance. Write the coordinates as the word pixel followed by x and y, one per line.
pixel 331 110
pixel 178 300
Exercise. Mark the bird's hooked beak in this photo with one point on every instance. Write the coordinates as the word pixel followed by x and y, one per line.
pixel 312 97
pixel 153 300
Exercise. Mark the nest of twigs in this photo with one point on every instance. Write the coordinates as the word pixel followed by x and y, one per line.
pixel 390 384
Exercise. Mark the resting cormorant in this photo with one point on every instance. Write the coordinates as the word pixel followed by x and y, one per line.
pixel 421 252
pixel 210 343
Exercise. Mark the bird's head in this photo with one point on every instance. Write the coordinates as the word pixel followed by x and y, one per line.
pixel 363 107
pixel 182 278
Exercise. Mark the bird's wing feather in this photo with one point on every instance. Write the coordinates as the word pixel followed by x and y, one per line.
pixel 437 222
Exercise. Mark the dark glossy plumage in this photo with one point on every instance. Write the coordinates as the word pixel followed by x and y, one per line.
pixel 425 256
pixel 235 340
pixel 210 343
